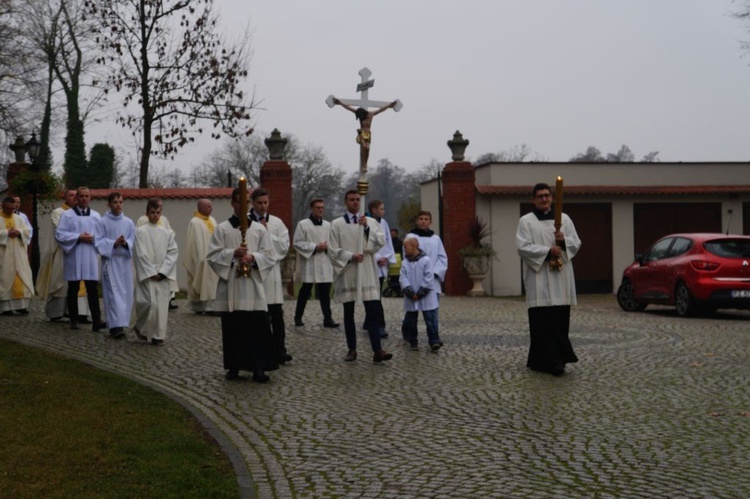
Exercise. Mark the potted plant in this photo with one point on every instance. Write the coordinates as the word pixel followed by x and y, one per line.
pixel 476 258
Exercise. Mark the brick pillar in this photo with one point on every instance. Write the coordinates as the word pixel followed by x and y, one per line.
pixel 276 177
pixel 459 210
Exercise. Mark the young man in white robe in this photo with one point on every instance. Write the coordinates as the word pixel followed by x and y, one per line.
pixel 113 239
pixel 246 338
pixel 355 238
pixel 75 235
pixel 549 292
pixel 432 245
pixel 385 255
pixel 16 284
pixel 50 283
pixel 311 243
pixel 163 222
pixel 279 235
pixel 155 255
pixel 201 280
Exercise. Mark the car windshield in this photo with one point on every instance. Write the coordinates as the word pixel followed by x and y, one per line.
pixel 729 248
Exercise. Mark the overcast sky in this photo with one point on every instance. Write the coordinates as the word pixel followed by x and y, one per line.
pixel 559 76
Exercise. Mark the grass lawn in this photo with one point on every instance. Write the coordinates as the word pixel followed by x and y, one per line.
pixel 70 430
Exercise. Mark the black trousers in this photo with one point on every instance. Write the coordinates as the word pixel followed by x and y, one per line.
pixel 92 295
pixel 373 321
pixel 322 292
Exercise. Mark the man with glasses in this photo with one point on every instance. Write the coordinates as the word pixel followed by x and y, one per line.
pixel 549 292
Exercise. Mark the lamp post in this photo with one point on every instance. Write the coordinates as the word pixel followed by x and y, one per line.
pixel 33 148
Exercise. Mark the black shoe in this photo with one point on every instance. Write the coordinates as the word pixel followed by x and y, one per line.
pixel 173 305
pixel 139 335
pixel 380 356
pixel 83 319
pixel 232 374
pixel 8 312
pixel 261 377
pixel 56 319
pixel 330 324
pixel 99 326
pixel 157 343
pixel 383 334
pixel 74 326
pixel 117 333
pixel 285 358
pixel 23 311
pixel 435 347
pixel 298 322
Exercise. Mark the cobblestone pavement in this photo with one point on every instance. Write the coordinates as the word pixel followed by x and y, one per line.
pixel 658 406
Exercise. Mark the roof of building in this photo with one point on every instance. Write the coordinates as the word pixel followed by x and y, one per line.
pixel 619 190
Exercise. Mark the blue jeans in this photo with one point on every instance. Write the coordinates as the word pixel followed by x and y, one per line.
pixel 409 326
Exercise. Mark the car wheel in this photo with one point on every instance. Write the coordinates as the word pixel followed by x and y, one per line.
pixel 626 300
pixel 683 301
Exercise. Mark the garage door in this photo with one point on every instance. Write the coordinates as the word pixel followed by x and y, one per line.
pixel 652 221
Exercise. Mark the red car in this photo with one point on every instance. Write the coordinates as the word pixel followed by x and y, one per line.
pixel 696 273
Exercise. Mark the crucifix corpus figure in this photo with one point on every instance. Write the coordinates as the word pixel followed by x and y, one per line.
pixel 360 109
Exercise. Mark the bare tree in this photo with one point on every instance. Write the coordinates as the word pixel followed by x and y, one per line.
pixel 170 61
pixel 313 175
pixel 623 155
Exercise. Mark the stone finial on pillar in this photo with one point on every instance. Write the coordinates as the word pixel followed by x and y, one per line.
pixel 276 145
pixel 19 149
pixel 458 146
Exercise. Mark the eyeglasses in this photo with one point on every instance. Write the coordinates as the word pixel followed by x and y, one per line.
pixel 543 196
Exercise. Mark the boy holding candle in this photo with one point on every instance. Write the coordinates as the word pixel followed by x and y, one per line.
pixel 543 237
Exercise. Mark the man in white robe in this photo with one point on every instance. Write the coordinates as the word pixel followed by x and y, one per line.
pixel 113 239
pixel 163 222
pixel 355 239
pixel 201 280
pixel 16 283
pixel 50 283
pixel 155 255
pixel 17 210
pixel 385 255
pixel 246 337
pixel 75 235
pixel 279 236
pixel 549 293
pixel 314 267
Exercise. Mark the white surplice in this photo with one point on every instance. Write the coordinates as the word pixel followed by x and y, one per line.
pixel 545 287
pixel 80 260
pixel 386 251
pixel 50 283
pixel 117 267
pixel 154 252
pixel 240 293
pixel 163 222
pixel 201 280
pixel 416 274
pixel 16 283
pixel 345 241
pixel 279 236
pixel 433 247
pixel 312 266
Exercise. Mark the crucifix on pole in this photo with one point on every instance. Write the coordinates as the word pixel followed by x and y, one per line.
pixel 360 108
